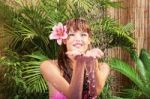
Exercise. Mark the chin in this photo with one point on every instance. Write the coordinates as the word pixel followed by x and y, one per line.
pixel 82 49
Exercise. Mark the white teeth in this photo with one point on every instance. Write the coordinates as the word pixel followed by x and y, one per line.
pixel 77 45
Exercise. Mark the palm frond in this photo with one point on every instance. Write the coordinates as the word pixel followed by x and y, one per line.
pixel 108 3
pixel 38 56
pixel 12 74
pixel 145 57
pixel 128 27
pixel 132 93
pixel 111 26
pixel 126 70
pixel 113 34
pixel 34 79
pixel 139 65
pixel 32 74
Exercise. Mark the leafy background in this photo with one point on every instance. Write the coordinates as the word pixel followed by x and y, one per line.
pixel 27 26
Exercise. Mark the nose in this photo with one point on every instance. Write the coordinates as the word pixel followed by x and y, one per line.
pixel 78 37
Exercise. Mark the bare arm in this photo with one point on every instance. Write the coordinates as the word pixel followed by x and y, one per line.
pixel 102 71
pixel 76 85
pixel 52 75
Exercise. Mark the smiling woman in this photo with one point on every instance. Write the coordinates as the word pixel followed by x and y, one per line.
pixel 76 74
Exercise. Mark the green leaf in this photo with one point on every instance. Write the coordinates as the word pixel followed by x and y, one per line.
pixel 139 65
pixel 132 93
pixel 145 57
pixel 38 55
pixel 127 70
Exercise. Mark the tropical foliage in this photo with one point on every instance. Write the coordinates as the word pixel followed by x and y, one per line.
pixel 27 27
pixel 139 75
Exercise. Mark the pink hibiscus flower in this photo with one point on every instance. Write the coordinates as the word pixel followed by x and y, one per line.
pixel 59 33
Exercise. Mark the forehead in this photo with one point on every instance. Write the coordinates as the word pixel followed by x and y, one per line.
pixel 77 32
pixel 78 25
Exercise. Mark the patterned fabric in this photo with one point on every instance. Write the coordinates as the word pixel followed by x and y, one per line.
pixel 86 88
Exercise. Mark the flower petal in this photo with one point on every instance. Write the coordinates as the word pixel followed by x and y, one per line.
pixel 54 28
pixel 53 36
pixel 59 41
pixel 65 29
pixel 65 35
pixel 59 33
pixel 60 24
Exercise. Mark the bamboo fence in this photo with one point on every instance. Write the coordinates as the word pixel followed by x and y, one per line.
pixel 138 13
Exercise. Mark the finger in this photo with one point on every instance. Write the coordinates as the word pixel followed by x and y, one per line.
pixel 95 53
pixel 87 54
pixel 73 53
pixel 97 56
pixel 99 53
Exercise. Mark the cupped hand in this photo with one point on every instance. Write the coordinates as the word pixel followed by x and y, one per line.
pixel 74 53
pixel 95 53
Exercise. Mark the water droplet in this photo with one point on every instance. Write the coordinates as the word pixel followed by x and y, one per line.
pixel 93 86
pixel 94 97
pixel 93 76
pixel 87 74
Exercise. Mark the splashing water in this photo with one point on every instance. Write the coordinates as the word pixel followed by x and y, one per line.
pixel 90 73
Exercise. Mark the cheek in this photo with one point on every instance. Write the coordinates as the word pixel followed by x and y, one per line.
pixel 70 39
pixel 87 41
pixel 69 42
pixel 69 45
pixel 86 46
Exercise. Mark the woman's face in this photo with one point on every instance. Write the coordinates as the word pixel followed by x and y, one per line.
pixel 77 41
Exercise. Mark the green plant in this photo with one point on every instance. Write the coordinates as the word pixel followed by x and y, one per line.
pixel 28 26
pixel 21 76
pixel 113 34
pixel 12 75
pixel 31 73
pixel 139 75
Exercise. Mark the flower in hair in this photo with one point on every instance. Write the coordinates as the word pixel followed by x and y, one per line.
pixel 59 33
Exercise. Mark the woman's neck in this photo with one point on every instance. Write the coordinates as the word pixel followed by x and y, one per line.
pixel 73 63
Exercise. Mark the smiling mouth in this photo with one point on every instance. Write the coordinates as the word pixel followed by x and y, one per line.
pixel 77 45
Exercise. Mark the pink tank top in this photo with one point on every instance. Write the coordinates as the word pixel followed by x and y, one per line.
pixel 58 95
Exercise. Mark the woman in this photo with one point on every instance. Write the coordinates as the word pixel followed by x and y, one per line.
pixel 76 74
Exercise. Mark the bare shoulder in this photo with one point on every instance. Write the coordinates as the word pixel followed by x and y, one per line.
pixel 51 73
pixel 49 65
